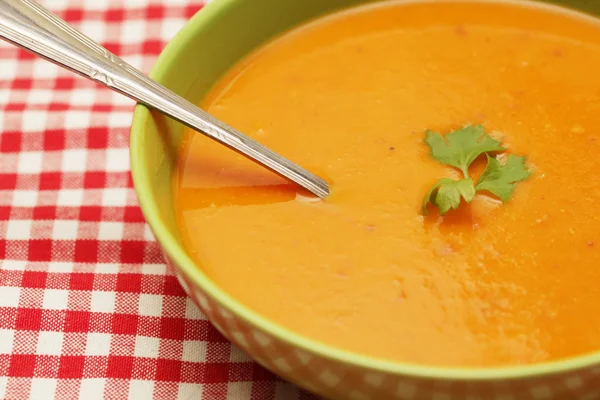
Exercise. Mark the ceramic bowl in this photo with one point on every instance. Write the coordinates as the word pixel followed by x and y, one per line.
pixel 211 42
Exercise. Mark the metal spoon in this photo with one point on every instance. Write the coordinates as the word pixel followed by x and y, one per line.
pixel 26 24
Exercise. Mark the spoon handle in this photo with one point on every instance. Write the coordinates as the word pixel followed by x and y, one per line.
pixel 30 26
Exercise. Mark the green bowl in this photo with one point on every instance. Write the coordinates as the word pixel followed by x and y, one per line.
pixel 209 44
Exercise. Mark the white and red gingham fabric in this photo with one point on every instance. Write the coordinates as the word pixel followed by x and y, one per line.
pixel 88 309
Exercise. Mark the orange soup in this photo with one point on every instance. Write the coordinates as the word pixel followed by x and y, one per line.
pixel 350 97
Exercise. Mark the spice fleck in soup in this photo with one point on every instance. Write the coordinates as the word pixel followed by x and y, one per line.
pixel 350 97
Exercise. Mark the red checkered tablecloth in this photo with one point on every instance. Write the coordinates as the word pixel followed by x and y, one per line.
pixel 88 309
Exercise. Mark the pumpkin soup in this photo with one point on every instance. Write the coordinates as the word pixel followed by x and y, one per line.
pixel 350 97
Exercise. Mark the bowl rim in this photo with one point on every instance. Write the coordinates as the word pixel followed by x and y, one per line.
pixel 178 255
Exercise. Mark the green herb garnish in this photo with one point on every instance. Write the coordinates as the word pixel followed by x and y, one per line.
pixel 500 179
pixel 459 149
pixel 448 193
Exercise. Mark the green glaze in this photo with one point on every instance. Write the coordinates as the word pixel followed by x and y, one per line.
pixel 211 43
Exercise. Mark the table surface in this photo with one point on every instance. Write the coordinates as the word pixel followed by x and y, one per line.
pixel 87 307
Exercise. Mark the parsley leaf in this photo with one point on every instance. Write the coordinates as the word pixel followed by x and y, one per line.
pixel 446 194
pixel 461 147
pixel 500 179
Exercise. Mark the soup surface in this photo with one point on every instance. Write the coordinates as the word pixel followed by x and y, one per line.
pixel 350 97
